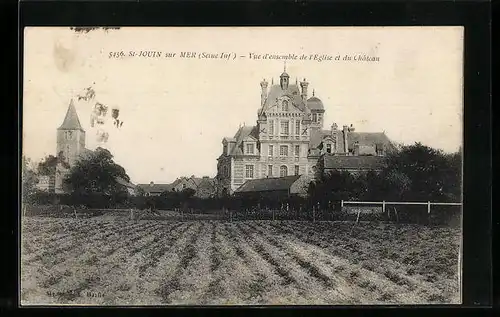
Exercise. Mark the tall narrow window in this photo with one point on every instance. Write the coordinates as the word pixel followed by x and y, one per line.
pixel 315 117
pixel 328 148
pixel 271 127
pixel 271 150
pixel 284 127
pixel 270 170
pixel 249 171
pixel 250 149
pixel 284 150
pixel 297 150
pixel 283 171
pixel 297 127
pixel 225 149
pixel 296 170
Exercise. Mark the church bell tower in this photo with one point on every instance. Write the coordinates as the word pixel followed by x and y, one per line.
pixel 70 137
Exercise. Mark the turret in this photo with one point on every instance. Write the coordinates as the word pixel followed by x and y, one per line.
pixel 284 79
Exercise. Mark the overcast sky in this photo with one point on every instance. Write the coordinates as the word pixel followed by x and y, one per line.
pixel 176 111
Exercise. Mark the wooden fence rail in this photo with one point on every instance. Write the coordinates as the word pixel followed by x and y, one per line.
pixel 385 203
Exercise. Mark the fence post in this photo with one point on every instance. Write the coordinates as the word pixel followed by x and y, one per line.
pixel 314 214
pixel 428 212
pixel 383 208
pixel 273 214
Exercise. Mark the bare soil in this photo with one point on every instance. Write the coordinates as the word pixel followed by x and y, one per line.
pixel 103 261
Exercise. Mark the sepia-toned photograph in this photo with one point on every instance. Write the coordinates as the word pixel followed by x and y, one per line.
pixel 201 166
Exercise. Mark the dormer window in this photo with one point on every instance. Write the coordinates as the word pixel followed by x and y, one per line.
pixel 69 135
pixel 250 149
pixel 329 148
pixel 315 117
pixel 284 105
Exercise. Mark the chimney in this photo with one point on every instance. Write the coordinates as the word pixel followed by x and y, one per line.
pixel 151 184
pixel 351 128
pixel 304 84
pixel 345 129
pixel 263 95
pixel 356 148
pixel 334 128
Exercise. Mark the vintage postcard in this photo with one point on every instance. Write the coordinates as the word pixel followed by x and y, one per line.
pixel 241 166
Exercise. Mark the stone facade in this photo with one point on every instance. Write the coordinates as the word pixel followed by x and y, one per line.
pixel 288 138
pixel 70 145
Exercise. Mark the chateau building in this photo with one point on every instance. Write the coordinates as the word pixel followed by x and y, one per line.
pixel 289 138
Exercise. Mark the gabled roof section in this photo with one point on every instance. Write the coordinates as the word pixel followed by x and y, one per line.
pixel 317 137
pixel 242 134
pixel 71 121
pixel 291 92
pixel 353 162
pixel 268 184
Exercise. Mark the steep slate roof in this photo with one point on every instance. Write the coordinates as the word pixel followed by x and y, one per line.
pixel 317 137
pixel 268 184
pixel 241 134
pixel 71 121
pixel 353 162
pixel 155 188
pixel 367 138
pixel 363 138
pixel 276 92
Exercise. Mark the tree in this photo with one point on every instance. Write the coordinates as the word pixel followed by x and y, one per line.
pixel 187 193
pixel 47 167
pixel 97 174
pixel 419 172
pixel 335 186
pixel 29 179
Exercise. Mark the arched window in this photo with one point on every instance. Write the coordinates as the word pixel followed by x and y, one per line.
pixel 284 105
pixel 283 171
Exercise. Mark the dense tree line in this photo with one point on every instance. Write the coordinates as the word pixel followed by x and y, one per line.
pixel 415 173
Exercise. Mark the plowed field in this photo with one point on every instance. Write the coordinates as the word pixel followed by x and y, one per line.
pixel 108 262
